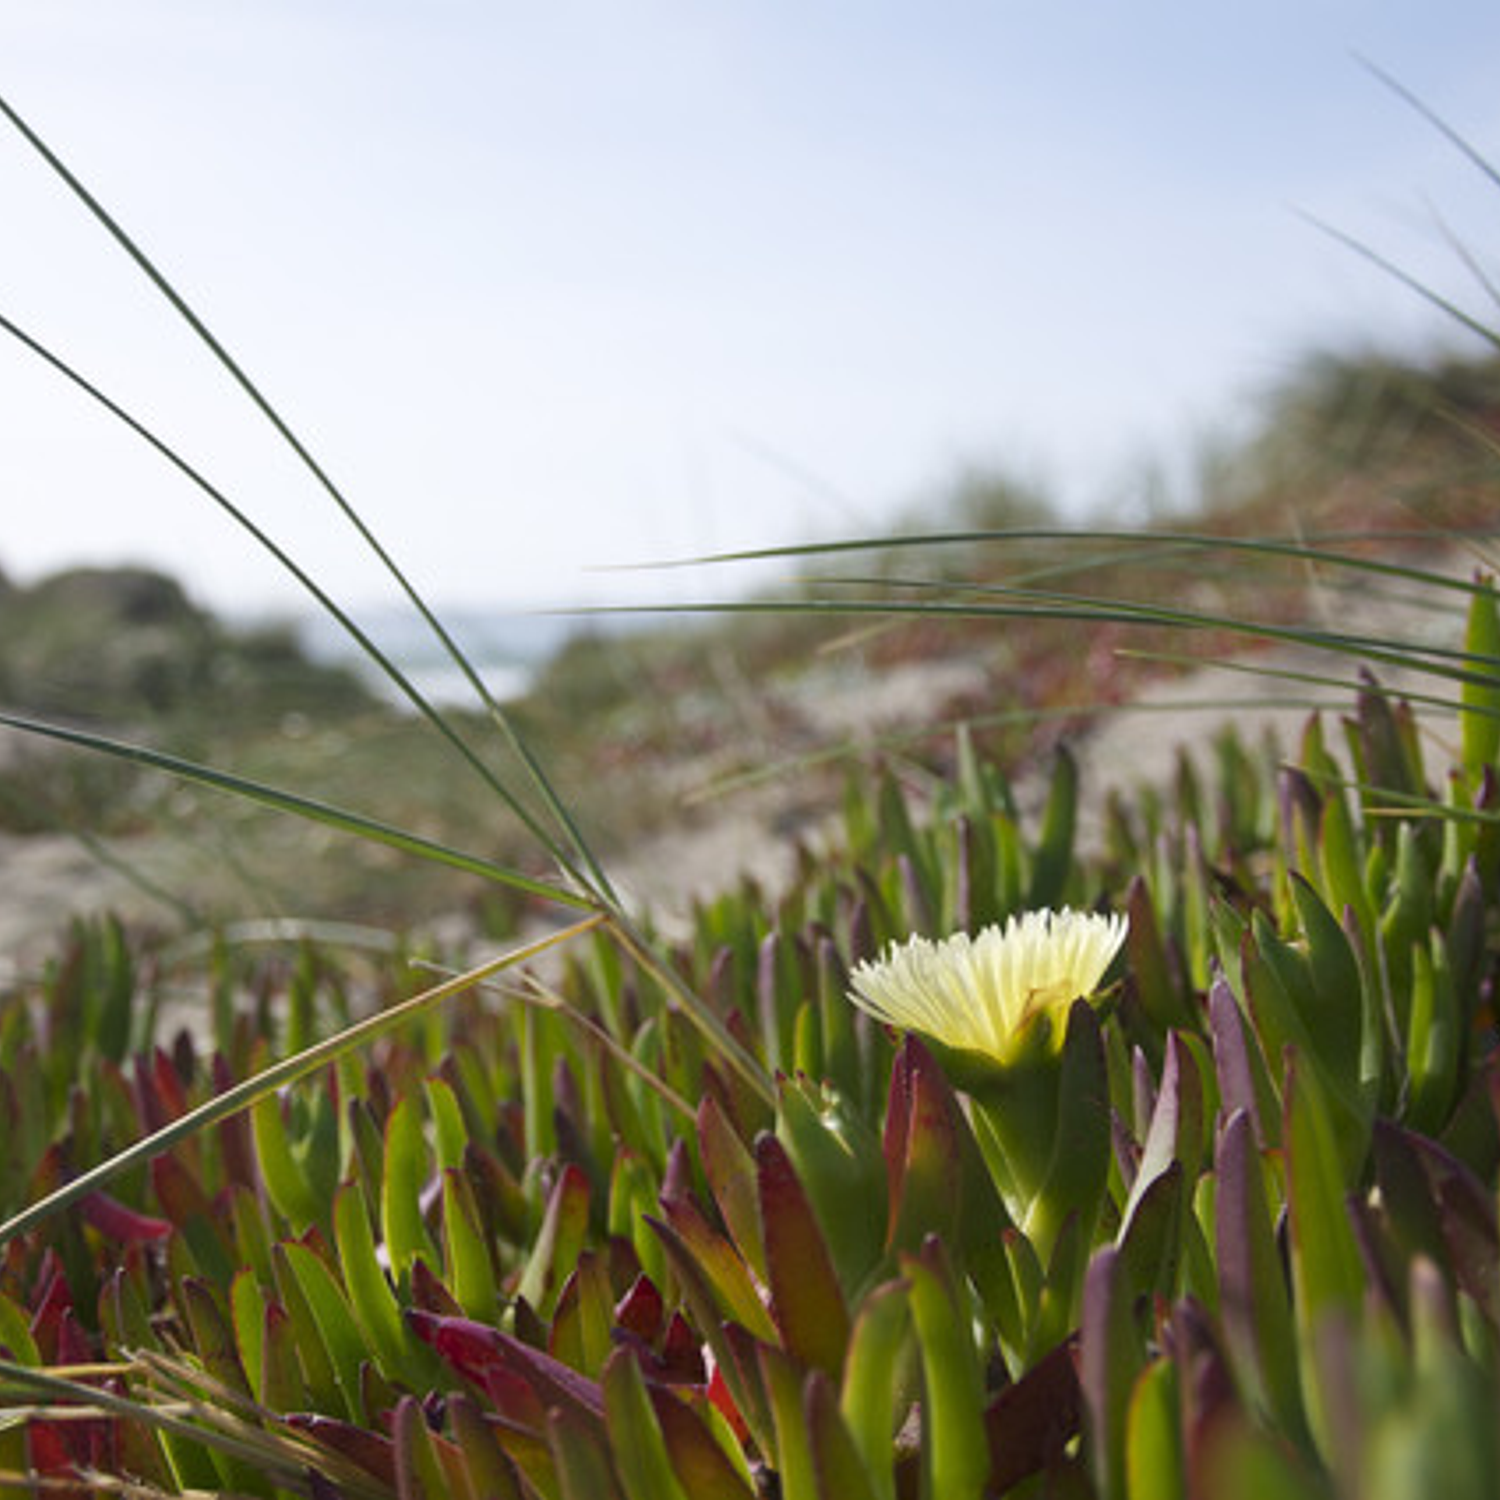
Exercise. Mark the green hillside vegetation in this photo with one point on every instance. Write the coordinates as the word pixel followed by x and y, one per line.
pixel 127 645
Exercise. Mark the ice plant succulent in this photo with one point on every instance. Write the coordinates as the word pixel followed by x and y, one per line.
pixel 985 994
pixel 1004 1013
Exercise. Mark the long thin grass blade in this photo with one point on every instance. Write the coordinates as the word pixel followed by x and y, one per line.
pixel 1047 605
pixel 282 1456
pixel 1434 119
pixel 1317 547
pixel 292 802
pixel 1408 280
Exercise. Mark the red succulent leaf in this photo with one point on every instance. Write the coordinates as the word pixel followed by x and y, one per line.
pixel 371 1451
pixel 179 1192
pixel 807 1301
pixel 641 1309
pixel 54 1301
pixel 682 1353
pixel 49 1457
pixel 515 1399
pixel 477 1351
pixel 718 1394
pixel 1030 1424
pixel 922 1146
pixel 116 1221
pixel 430 1294
pixel 236 1145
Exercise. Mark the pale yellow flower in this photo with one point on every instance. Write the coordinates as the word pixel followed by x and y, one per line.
pixel 977 994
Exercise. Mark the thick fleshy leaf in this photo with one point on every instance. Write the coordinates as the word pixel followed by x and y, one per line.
pixel 636 1443
pixel 923 1157
pixel 1153 1440
pixel 717 1262
pixel 710 1464
pixel 1346 1021
pixel 405 1176
pixel 1150 1240
pixel 116 1221
pixel 1205 1389
pixel 779 991
pixel 1242 1462
pixel 1254 1305
pixel 15 1333
pixel 341 1336
pixel 490 1471
pixel 782 1378
pixel 730 1168
pixel 872 1372
pixel 582 1321
pixel 1109 1356
pixel 741 1393
pixel 1078 1169
pixel 953 1430
pixel 373 1303
pixel 1467 1214
pixel 321 1381
pixel 250 1228
pixel 1176 1132
pixel 236 1142
pixel 476 1350
pixel 1435 1038
pixel 1280 1020
pixel 1327 1272
pixel 371 1451
pixel 1053 860
pixel 213 1335
pixel 1159 982
pixel 838 1162
pixel 559 1241
pixel 738 1375
pixel 450 1133
pixel 189 1208
pixel 419 1471
pixel 807 1301
pixel 581 1457
pixel 466 1251
pixel 838 1468
pixel 1031 1423
pixel 287 1184
pixel 281 1386
pixel 1408 1205
pixel 841 1061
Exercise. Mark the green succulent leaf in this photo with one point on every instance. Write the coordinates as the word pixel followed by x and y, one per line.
pixel 955 1446
pixel 640 1451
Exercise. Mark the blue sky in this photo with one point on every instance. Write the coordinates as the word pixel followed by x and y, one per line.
pixel 554 286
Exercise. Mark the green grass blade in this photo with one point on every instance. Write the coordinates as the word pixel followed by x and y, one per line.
pixel 1029 604
pixel 291 802
pixel 1319 548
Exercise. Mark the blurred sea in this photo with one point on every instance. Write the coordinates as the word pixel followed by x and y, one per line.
pixel 505 649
